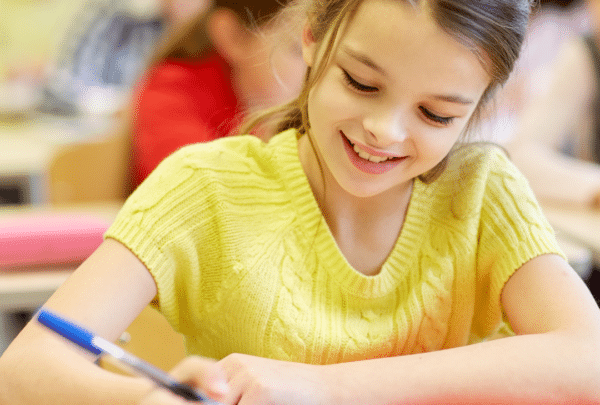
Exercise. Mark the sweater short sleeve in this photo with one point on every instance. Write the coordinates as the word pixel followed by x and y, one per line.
pixel 174 221
pixel 513 230
pixel 149 219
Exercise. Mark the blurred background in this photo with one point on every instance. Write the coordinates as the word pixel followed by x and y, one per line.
pixel 68 67
pixel 67 70
pixel 77 57
pixel 67 73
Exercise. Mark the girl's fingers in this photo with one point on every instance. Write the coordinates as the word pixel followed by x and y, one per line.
pixel 237 385
pixel 162 397
pixel 204 374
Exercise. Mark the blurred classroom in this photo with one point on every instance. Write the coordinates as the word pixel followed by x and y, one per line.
pixel 63 84
pixel 65 87
pixel 67 73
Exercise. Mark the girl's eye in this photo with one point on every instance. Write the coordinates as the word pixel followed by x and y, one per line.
pixel 357 85
pixel 436 118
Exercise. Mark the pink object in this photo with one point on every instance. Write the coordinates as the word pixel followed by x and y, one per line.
pixel 48 239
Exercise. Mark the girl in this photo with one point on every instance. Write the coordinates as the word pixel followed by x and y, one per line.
pixel 360 256
pixel 209 73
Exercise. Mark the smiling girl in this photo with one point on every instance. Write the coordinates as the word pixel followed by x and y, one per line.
pixel 367 254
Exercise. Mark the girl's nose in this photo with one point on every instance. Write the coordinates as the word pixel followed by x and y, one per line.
pixel 386 127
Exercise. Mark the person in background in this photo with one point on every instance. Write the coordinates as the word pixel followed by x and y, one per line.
pixel 211 72
pixel 524 112
pixel 556 143
pixel 552 23
pixel 106 50
pixel 180 12
pixel 365 254
pixel 30 33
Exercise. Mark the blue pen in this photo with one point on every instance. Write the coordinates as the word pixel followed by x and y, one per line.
pixel 99 346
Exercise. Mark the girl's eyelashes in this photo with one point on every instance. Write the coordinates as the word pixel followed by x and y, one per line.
pixel 363 88
pixel 358 85
pixel 436 118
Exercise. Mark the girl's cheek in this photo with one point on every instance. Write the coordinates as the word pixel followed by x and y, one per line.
pixel 336 98
pixel 438 146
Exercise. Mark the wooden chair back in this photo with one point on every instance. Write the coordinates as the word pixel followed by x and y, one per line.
pixel 91 171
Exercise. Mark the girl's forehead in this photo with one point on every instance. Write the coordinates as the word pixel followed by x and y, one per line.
pixel 397 38
pixel 390 25
pixel 391 12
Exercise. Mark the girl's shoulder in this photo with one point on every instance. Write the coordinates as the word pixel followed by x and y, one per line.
pixel 480 172
pixel 222 166
pixel 236 154
pixel 480 160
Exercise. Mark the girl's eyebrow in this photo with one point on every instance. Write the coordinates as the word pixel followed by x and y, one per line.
pixel 364 59
pixel 454 99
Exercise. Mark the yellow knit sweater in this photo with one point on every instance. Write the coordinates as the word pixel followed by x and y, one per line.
pixel 244 261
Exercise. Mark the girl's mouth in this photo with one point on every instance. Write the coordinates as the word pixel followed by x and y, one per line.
pixel 367 162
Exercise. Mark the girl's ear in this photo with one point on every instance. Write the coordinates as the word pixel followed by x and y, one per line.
pixel 309 45
pixel 228 34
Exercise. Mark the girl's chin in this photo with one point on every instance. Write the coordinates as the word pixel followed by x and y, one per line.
pixel 368 188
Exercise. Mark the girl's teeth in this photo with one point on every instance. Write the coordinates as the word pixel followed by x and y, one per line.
pixel 370 158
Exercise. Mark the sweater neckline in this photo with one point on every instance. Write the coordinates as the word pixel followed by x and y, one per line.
pixel 400 260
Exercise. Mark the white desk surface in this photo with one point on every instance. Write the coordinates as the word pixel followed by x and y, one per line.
pixel 28 289
pixel 27 147
pixel 25 289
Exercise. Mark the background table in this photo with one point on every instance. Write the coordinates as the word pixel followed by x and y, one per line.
pixel 28 146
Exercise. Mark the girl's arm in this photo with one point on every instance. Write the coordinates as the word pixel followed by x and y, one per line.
pixel 105 294
pixel 554 359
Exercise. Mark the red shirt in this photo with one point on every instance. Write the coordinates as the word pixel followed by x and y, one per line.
pixel 179 103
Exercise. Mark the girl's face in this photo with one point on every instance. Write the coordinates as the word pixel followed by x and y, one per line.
pixel 393 100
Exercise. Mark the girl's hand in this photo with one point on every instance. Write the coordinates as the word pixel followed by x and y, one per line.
pixel 256 380
pixel 201 373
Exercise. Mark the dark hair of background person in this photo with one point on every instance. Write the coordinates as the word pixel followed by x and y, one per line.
pixel 192 40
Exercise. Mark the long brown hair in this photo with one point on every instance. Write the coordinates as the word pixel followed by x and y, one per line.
pixel 494 29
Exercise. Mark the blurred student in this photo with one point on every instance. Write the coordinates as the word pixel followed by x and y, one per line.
pixel 213 70
pixel 105 51
pixel 556 143
pixel 30 33
pixel 551 24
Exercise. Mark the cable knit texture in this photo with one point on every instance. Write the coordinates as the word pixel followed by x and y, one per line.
pixel 244 261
